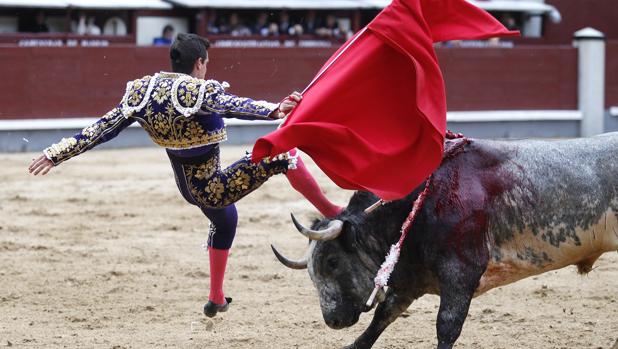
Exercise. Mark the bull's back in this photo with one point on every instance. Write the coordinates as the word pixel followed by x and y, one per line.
pixel 555 204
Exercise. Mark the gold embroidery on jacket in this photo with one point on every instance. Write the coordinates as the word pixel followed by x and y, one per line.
pixel 161 124
pixel 169 127
pixel 138 91
pixel 162 93
pixel 90 136
pixel 179 134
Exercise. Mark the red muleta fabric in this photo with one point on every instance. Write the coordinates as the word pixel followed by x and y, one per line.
pixel 375 119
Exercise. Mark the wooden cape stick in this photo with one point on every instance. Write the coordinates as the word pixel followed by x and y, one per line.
pixel 334 60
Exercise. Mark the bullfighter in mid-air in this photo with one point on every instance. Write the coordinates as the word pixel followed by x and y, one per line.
pixel 184 113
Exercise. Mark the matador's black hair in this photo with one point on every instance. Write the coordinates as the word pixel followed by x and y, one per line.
pixel 185 50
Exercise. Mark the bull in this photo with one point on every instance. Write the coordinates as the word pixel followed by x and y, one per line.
pixel 496 213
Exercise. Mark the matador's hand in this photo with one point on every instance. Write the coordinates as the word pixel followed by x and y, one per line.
pixel 40 165
pixel 287 105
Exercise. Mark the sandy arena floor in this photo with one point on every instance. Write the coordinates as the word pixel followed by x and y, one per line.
pixel 103 253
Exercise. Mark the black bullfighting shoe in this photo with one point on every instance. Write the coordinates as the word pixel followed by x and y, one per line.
pixel 211 309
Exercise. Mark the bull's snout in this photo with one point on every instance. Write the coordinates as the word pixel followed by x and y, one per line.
pixel 339 322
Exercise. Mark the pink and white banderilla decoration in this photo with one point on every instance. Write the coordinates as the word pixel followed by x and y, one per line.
pixel 381 279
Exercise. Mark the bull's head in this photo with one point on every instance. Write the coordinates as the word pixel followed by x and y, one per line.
pixel 342 261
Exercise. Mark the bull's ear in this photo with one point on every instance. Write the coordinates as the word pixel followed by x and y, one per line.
pixel 360 201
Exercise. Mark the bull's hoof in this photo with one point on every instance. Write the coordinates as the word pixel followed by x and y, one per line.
pixel 357 345
pixel 211 309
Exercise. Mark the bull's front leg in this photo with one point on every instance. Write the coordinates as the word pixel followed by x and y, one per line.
pixel 458 280
pixel 454 305
pixel 386 312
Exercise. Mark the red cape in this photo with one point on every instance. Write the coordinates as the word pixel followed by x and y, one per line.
pixel 375 119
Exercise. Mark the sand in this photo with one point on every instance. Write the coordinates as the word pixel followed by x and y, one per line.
pixel 104 253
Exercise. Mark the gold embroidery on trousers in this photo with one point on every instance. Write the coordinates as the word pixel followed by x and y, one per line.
pixel 212 187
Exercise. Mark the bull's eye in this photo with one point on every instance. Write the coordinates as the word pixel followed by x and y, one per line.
pixel 332 263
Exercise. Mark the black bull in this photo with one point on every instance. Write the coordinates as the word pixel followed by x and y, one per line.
pixel 497 212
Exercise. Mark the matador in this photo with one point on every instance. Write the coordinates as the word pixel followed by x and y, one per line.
pixel 183 112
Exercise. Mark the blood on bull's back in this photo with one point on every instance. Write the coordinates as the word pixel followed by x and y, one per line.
pixel 558 209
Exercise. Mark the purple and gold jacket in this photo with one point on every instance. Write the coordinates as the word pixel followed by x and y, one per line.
pixel 179 112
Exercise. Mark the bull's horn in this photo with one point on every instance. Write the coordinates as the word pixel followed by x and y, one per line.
pixel 335 227
pixel 292 264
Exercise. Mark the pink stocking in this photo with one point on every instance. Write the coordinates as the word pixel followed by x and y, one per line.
pixel 304 183
pixel 218 261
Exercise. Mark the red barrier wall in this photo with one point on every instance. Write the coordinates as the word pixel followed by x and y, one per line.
pixel 534 77
pixel 611 74
pixel 269 74
pixel 82 81
pixel 78 82
pixel 70 82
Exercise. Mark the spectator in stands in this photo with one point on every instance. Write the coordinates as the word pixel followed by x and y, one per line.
pixel 296 29
pixel 115 26
pixel 331 29
pixel 509 21
pixel 286 27
pixel 39 25
pixel 237 28
pixel 263 27
pixel 79 26
pixel 273 29
pixel 211 24
pixel 92 28
pixel 284 23
pixel 310 23
pixel 261 24
pixel 166 38
pixel 85 26
pixel 222 24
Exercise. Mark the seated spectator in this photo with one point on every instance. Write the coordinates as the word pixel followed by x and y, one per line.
pixel 310 23
pixel 273 29
pixel 85 26
pixel 92 28
pixel 296 30
pixel 115 26
pixel 331 29
pixel 211 23
pixel 261 24
pixel 166 38
pixel 237 28
pixel 79 26
pixel 224 28
pixel 284 23
pixel 509 21
pixel 39 25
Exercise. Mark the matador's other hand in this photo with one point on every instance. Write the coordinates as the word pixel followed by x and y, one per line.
pixel 288 104
pixel 40 165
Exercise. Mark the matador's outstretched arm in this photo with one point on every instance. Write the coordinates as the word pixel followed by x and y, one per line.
pixel 104 129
